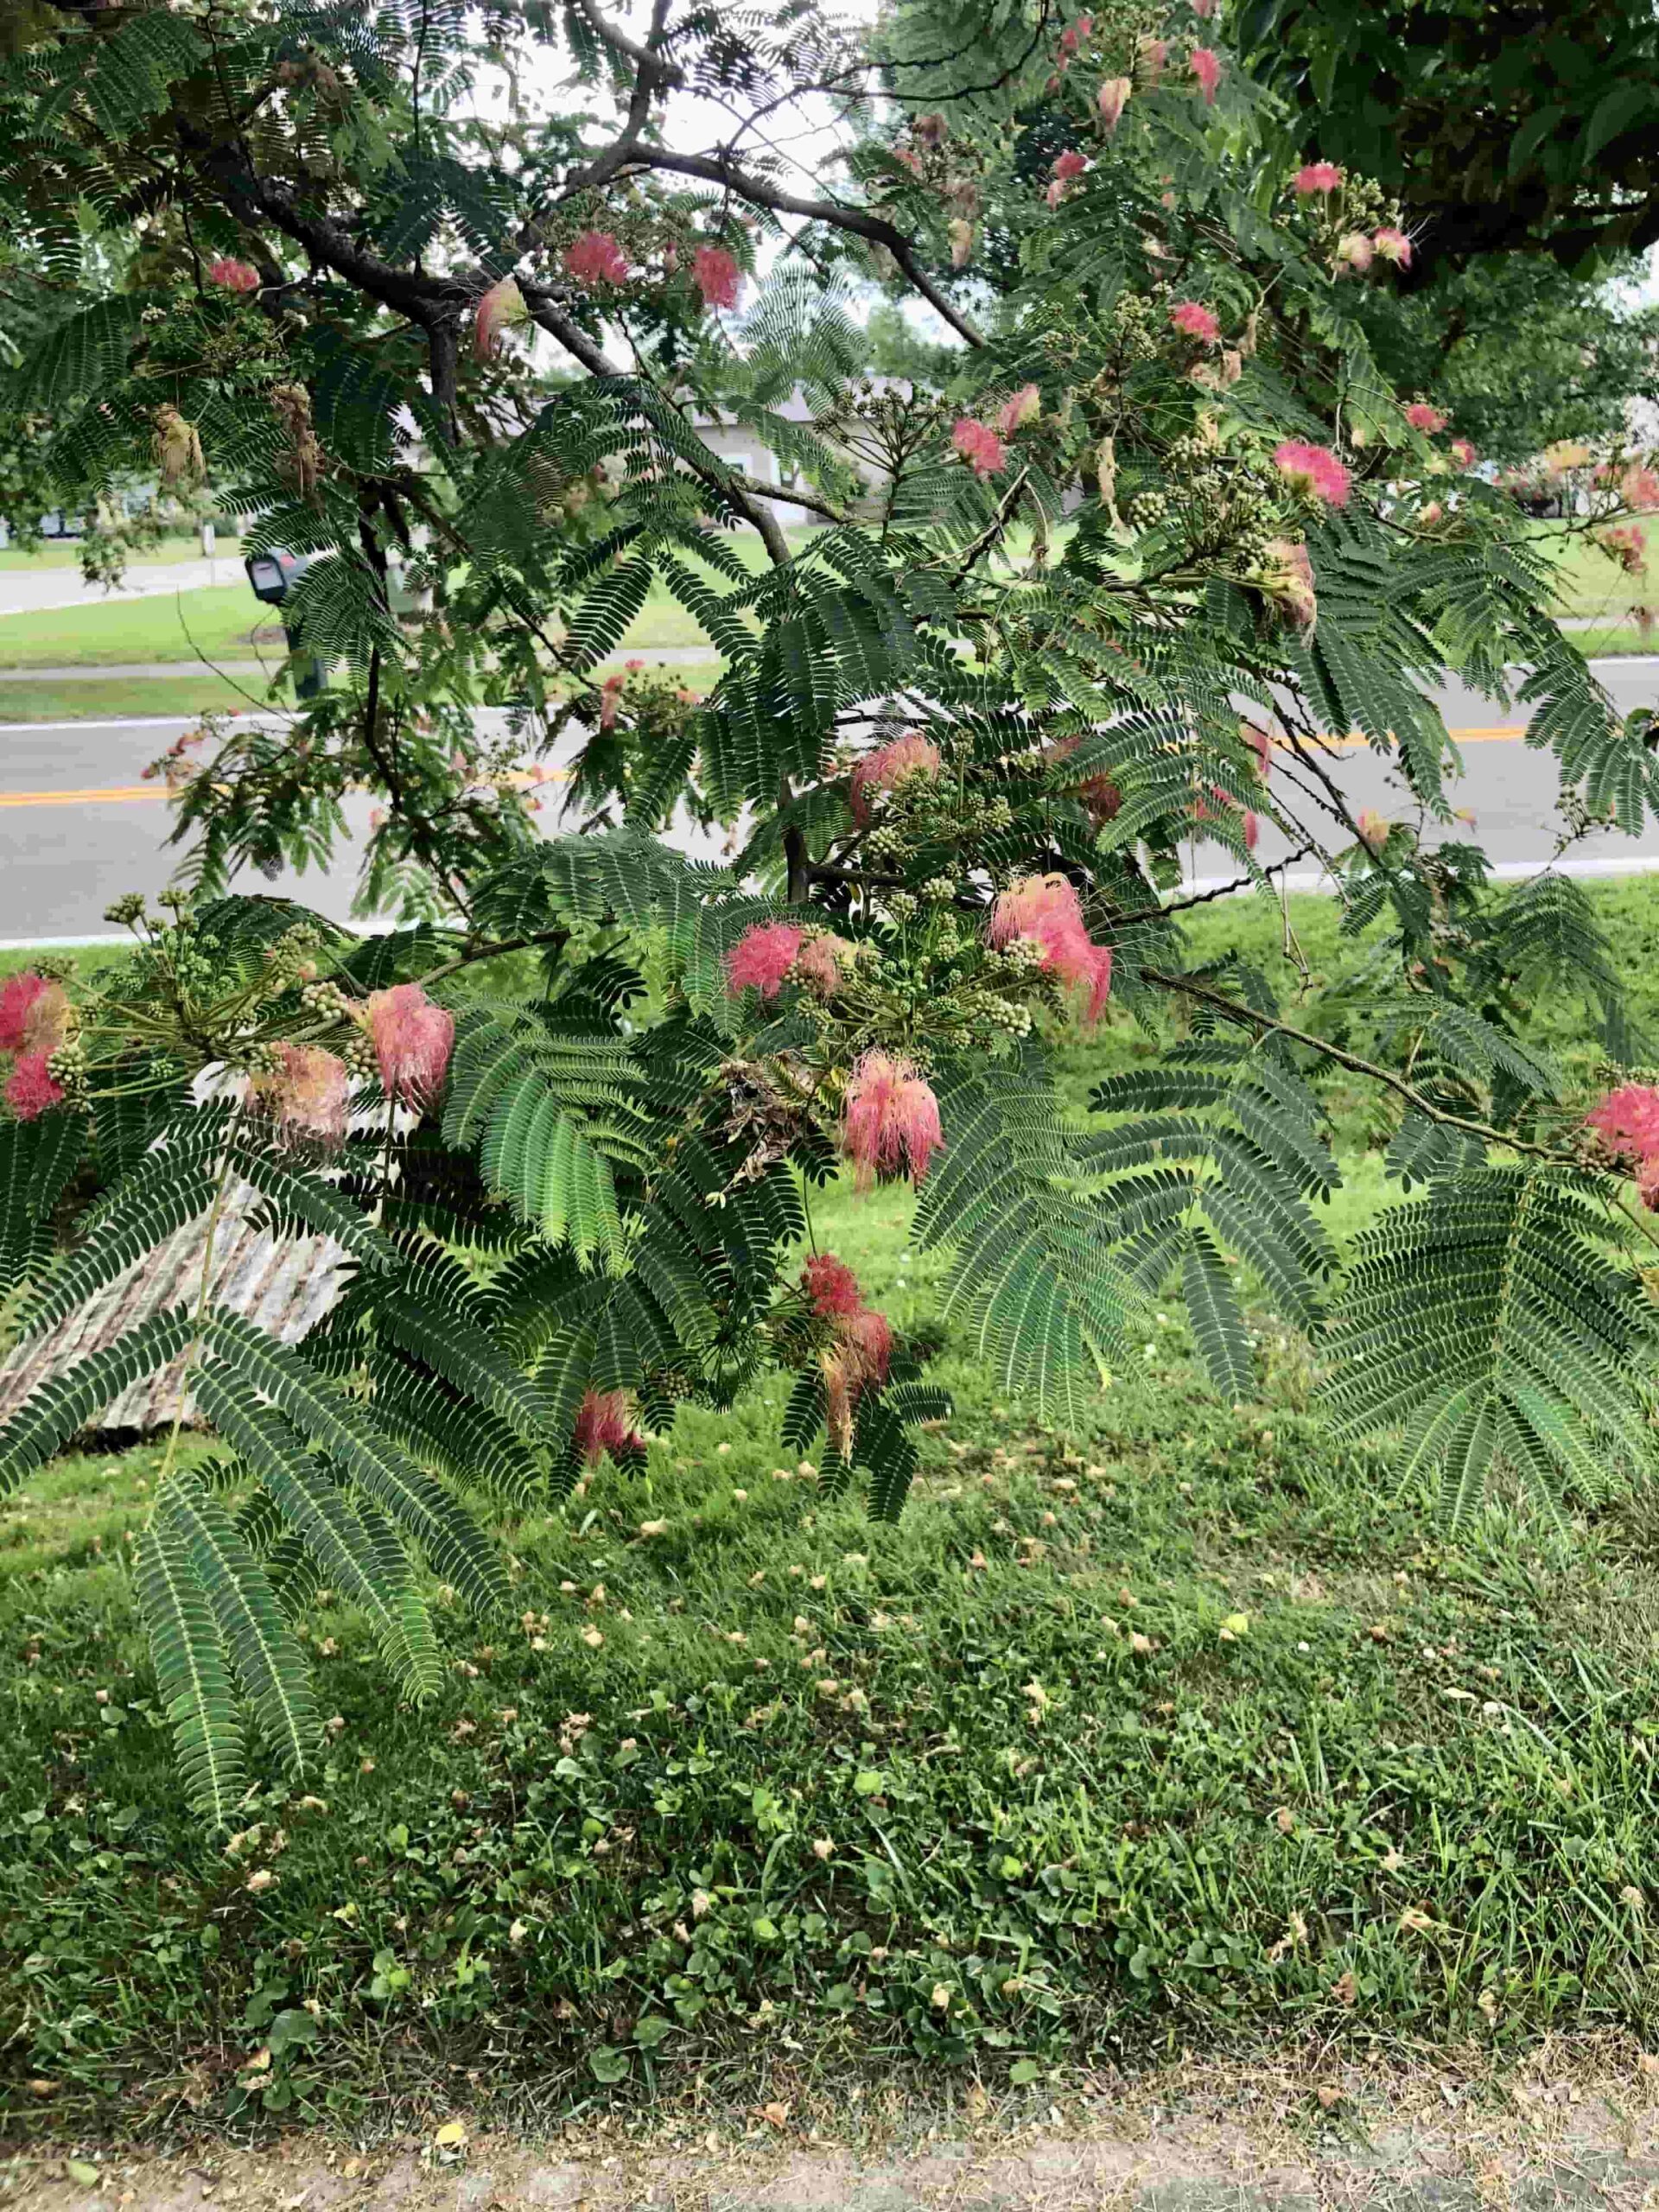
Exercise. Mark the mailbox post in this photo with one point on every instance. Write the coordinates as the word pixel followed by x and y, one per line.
pixel 272 575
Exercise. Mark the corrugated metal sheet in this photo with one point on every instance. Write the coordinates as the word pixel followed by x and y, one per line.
pixel 286 1286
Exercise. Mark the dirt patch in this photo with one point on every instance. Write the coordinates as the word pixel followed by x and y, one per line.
pixel 1576 2125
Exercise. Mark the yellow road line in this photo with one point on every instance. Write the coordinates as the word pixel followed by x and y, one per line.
pixel 120 792
pixel 123 794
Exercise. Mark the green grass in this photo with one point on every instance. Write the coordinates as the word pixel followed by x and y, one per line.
pixel 1590 582
pixel 1185 1728
pixel 217 619
pixel 126 698
pixel 226 621
pixel 64 553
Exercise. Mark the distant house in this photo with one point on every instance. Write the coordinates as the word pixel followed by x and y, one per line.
pixel 742 445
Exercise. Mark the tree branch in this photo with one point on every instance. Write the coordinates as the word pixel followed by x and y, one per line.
pixel 721 169
pixel 1236 1010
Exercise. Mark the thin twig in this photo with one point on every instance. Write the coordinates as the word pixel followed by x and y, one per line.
pixel 1236 1010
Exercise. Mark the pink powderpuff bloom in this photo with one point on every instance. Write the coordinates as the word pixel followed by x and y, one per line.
pixel 1195 321
pixel 821 962
pixel 1314 177
pixel 31 1090
pixel 831 1288
pixel 1287 579
pixel 891 1125
pixel 1463 452
pixel 234 276
pixel 413 1040
pixel 1055 194
pixel 1639 488
pixel 868 1337
pixel 909 755
pixel 1069 164
pixel 1422 416
pixel 1373 829
pixel 1220 805
pixel 1012 415
pixel 1111 99
pixel 500 309
pixel 1627 1122
pixel 1206 64
pixel 596 258
pixel 47 1023
pixel 717 276
pixel 1393 245
pixel 610 698
pixel 18 996
pixel 979 446
pixel 1204 9
pixel 1045 910
pixel 762 958
pixel 1261 744
pixel 1313 470
pixel 603 1424
pixel 1354 252
pixel 307 1093
pixel 1151 53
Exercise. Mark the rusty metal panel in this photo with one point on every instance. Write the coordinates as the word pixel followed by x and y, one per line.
pixel 284 1285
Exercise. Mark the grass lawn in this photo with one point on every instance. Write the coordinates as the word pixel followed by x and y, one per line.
pixel 222 620
pixel 217 619
pixel 128 698
pixel 1187 1728
pixel 64 553
pixel 1590 582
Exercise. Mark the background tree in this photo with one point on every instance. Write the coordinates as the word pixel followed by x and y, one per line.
pixel 962 737
pixel 1529 128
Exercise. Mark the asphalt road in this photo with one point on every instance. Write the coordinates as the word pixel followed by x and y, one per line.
pixel 78 824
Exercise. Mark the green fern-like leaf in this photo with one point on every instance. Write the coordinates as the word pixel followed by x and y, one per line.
pixel 1483 1321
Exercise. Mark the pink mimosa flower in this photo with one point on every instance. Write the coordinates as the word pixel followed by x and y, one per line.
pixel 1261 744
pixel 1354 250
pixel 1069 165
pixel 909 755
pixel 500 308
pixel 869 1335
pixel 1206 67
pixel 1044 910
pixel 17 994
pixel 979 446
pixel 413 1040
pixel 307 1093
pixel 31 1090
pixel 1314 471
pixel 1627 1122
pixel 234 275
pixel 1422 416
pixel 821 963
pixel 603 1424
pixel 831 1288
pixel 1463 452
pixel 762 958
pixel 1373 829
pixel 1111 99
pixel 1314 177
pixel 1393 245
pixel 891 1124
pixel 595 258
pixel 1012 415
pixel 717 276
pixel 1195 321
pixel 1639 487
